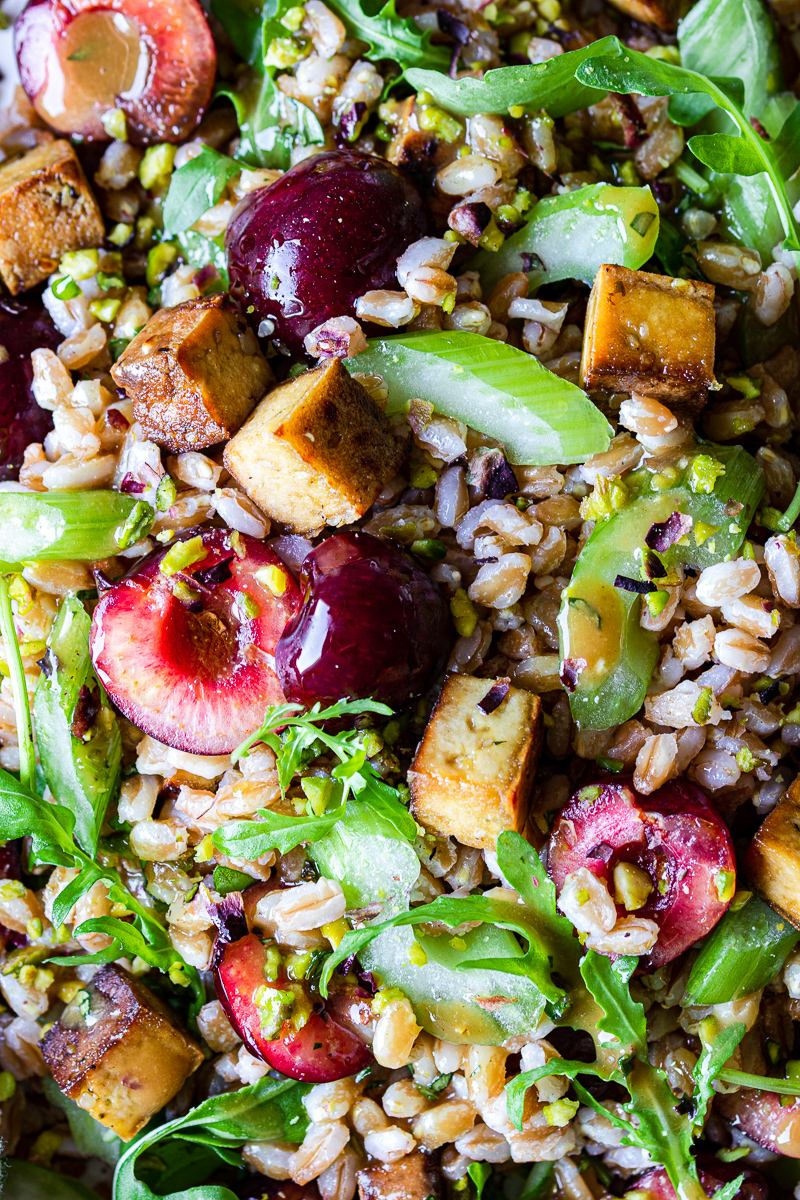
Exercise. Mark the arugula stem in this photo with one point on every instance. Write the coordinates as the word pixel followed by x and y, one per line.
pixel 22 708
pixel 783 1087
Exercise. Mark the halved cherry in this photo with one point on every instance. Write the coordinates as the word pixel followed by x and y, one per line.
pixel 81 59
pixel 765 1118
pixel 674 835
pixel 713 1175
pixel 187 654
pixel 320 1051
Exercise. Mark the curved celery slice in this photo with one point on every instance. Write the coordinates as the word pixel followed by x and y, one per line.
pixel 78 525
pixel 599 623
pixel 571 236
pixel 501 391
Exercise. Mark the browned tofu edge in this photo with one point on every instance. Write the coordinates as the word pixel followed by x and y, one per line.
pixel 415 1177
pixel 772 860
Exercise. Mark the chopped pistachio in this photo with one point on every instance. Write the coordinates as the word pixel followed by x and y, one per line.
pixel 702 708
pixel 159 258
pixel 416 955
pixel 560 1113
pixel 703 473
pixel 274 579
pixel 284 52
pixel 121 234
pixel 156 166
pixel 609 496
pixel 105 310
pixel 80 264
pixel 462 610
pixel 750 388
pixel 65 288
pixel 182 555
pixel 115 124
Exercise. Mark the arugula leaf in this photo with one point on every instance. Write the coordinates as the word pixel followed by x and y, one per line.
pixel 81 768
pixel 533 964
pixel 539 1182
pixel 549 85
pixel 729 1190
pixel 568 1068
pixel 629 71
pixel 19 688
pixel 196 187
pixel 624 1019
pixel 480 1174
pixel 50 827
pixel 708 1066
pixel 273 831
pixel 92 1139
pixel 241 20
pixel 391 36
pixel 269 1110
pixel 28 1181
pixel 522 867
pixel 733 37
pixel 502 391
pixel 271 124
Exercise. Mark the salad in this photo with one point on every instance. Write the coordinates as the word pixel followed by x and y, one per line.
pixel 399 593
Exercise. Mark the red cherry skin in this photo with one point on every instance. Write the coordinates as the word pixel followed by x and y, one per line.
pixel 713 1175
pixel 320 1052
pixel 674 835
pixel 24 326
pixel 173 79
pixel 372 624
pixel 329 230
pixel 765 1119
pixel 197 681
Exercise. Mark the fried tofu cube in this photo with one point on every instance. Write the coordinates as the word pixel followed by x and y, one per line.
pixel 46 209
pixel 194 373
pixel 413 1177
pixel 650 334
pixel 317 451
pixel 772 862
pixel 663 13
pixel 472 775
pixel 118 1052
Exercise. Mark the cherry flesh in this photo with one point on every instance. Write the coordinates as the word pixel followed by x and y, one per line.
pixel 674 835
pixel 769 1119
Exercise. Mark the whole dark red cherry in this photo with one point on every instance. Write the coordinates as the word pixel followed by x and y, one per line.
pixel 81 59
pixel 372 624
pixel 329 230
pixel 24 326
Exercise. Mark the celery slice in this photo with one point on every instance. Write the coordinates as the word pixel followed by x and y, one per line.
pixel 79 525
pixel 571 236
pixel 503 392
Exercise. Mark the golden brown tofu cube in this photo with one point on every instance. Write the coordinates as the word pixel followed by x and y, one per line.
pixel 46 209
pixel 194 373
pixel 663 13
pixel 118 1052
pixel 317 451
pixel 772 862
pixel 411 1178
pixel 650 334
pixel 473 771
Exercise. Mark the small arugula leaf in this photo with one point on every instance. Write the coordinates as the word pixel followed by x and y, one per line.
pixel 744 33
pixel 708 1066
pixel 480 1173
pixel 273 831
pixel 196 187
pixel 726 154
pixel 533 965
pixel 241 20
pixel 549 85
pixel 539 1182
pixel 522 867
pixel 629 71
pixel 48 825
pixel 391 36
pixel 269 1110
pixel 78 736
pixel 663 1130
pixel 624 1019
pixel 729 1190
pixel 568 1068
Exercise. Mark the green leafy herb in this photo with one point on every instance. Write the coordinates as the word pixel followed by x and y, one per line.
pixel 199 251
pixel 479 1173
pixel 227 880
pixel 779 522
pixel 493 387
pixel 535 964
pixel 28 1181
pixel 273 831
pixel 569 236
pixel 195 187
pixel 50 828
pixel 269 1110
pixel 22 715
pixel 77 733
pixel 694 97
pixel 549 85
pixel 734 38
pixel 43 526
pixel 744 953
pixel 241 20
pixel 391 36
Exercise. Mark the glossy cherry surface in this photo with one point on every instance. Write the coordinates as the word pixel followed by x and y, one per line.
pixel 24 326
pixel 81 59
pixel 372 624
pixel 321 1051
pixel 187 656
pixel 713 1175
pixel 674 835
pixel 329 230
pixel 769 1119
